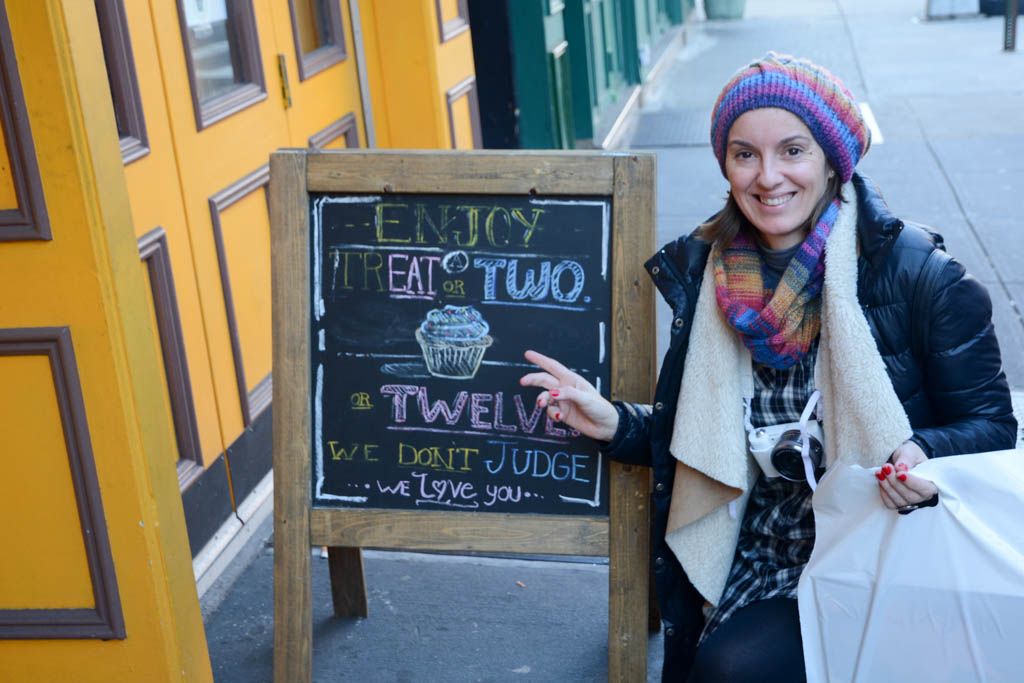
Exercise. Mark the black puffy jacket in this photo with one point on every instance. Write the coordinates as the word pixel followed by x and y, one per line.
pixel 956 396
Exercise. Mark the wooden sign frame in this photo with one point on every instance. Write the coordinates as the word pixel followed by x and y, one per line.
pixel 624 536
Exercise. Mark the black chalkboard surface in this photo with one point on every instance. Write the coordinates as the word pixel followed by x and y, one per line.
pixel 422 307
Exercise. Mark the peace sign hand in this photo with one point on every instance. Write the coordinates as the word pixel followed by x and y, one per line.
pixel 571 399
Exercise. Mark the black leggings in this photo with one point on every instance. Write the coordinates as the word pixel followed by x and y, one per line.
pixel 760 642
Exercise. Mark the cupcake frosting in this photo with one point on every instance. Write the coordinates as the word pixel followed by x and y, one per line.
pixel 454 323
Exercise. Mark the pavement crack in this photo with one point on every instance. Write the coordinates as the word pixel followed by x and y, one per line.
pixel 853 49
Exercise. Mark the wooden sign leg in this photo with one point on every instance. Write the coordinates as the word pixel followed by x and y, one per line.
pixel 348 582
pixel 293 585
pixel 633 373
pixel 628 573
pixel 293 601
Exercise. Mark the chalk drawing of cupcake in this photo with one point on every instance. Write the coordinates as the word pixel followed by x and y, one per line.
pixel 453 340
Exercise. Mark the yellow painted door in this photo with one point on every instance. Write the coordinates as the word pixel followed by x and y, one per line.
pixel 226 112
pixel 96 580
pixel 237 80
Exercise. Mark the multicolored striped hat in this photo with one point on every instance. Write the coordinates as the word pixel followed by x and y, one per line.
pixel 808 91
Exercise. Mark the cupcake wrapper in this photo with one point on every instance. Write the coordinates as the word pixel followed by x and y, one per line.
pixel 453 360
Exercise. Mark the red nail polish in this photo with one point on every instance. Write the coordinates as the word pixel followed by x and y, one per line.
pixel 558 416
pixel 879 476
pixel 554 392
pixel 902 466
pixel 887 470
pixel 901 477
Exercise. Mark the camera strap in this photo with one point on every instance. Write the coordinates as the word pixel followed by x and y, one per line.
pixel 805 439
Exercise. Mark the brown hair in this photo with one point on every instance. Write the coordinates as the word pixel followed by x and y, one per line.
pixel 727 223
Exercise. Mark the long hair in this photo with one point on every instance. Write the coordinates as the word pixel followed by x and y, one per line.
pixel 727 223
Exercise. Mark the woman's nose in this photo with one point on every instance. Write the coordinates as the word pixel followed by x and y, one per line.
pixel 769 174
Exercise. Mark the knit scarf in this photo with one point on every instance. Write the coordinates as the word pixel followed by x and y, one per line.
pixel 777 326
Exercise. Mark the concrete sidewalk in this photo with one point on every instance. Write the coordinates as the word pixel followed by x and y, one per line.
pixel 432 618
pixel 950 107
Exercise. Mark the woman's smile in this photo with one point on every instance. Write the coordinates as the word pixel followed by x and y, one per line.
pixel 776 201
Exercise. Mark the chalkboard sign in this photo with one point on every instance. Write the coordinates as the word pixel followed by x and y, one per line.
pixel 422 307
pixel 406 287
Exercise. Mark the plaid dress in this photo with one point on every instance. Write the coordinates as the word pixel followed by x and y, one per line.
pixel 777 533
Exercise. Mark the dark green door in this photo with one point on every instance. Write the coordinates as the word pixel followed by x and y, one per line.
pixel 596 33
pixel 542 74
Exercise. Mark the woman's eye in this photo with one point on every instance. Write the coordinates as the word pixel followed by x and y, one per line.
pixel 744 155
pixel 794 151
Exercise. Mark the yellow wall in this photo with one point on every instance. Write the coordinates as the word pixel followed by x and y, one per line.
pixel 88 278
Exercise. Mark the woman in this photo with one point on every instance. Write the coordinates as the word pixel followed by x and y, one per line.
pixel 803 286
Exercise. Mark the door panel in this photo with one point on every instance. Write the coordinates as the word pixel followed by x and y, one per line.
pixel 241 227
pixel 561 95
pixel 247 247
pixel 340 134
pixel 155 192
pixel 8 195
pixel 166 317
pixel 43 500
pixel 464 116
pixel 317 99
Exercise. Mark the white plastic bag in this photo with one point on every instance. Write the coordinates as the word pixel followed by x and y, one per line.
pixel 936 595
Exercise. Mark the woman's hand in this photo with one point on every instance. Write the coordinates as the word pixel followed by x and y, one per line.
pixel 897 486
pixel 571 399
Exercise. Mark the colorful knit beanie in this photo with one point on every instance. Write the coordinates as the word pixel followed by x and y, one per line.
pixel 808 91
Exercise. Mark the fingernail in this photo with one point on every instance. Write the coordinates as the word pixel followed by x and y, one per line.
pixel 558 416
pixel 902 466
pixel 879 476
pixel 901 477
pixel 554 392
pixel 887 470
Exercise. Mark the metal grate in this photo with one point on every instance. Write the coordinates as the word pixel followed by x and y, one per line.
pixel 672 128
pixel 1010 25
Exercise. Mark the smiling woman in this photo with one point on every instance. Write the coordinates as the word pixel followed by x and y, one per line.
pixel 793 305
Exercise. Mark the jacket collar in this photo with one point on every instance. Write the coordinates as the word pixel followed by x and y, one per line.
pixel 877 227
pixel 677 265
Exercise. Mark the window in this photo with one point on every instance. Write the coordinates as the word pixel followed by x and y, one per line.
pixel 223 57
pixel 124 86
pixel 319 37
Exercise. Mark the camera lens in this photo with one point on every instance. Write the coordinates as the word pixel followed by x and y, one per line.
pixel 787 455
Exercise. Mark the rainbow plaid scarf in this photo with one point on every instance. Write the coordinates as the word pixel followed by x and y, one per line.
pixel 778 327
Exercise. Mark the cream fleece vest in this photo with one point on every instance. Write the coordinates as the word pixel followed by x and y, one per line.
pixel 863 419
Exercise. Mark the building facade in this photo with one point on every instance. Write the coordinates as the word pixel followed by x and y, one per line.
pixel 559 74
pixel 135 321
pixel 135 338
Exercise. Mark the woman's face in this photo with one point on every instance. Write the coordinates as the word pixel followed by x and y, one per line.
pixel 776 172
